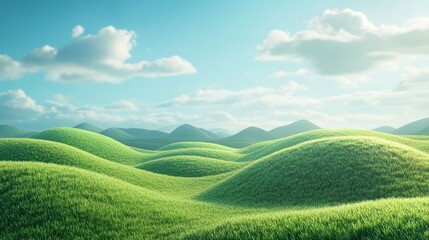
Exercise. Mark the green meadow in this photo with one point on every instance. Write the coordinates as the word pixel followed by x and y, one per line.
pixel 69 183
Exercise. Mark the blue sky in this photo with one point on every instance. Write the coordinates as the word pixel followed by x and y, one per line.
pixel 228 64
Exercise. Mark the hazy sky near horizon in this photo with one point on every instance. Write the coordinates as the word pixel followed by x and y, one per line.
pixel 213 64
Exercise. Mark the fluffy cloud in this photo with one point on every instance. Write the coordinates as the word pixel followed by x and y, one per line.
pixel 345 41
pixel 10 69
pixel 102 57
pixel 16 105
pixel 259 95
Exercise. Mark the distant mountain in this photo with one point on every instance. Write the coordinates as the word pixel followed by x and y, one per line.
pixel 418 127
pixel 212 135
pixel 144 133
pixel 293 128
pixel 89 127
pixel 188 132
pixel 7 131
pixel 222 133
pixel 167 129
pixel 117 134
pixel 423 132
pixel 385 129
pixel 246 137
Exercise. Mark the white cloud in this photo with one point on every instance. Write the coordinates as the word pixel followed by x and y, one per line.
pixel 102 57
pixel 123 106
pixel 77 31
pixel 345 41
pixel 16 105
pixel 281 74
pixel 9 69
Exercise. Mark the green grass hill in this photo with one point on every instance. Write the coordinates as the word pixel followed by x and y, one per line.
pixel 383 219
pixel 266 148
pixel 62 154
pixel 189 166
pixel 48 201
pixel 328 171
pixel 413 128
pixel 293 128
pixel 89 127
pixel 7 131
pixel 94 143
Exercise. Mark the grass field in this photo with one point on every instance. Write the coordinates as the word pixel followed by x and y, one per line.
pixel 350 184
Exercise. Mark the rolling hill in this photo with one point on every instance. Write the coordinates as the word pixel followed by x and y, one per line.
pixel 7 131
pixel 94 143
pixel 293 128
pixel 414 128
pixel 69 183
pixel 89 127
pixel 62 154
pixel 328 171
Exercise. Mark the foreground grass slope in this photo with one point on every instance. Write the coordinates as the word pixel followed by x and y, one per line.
pixel 385 219
pixel 46 201
pixel 69 203
pixel 94 143
pixel 328 171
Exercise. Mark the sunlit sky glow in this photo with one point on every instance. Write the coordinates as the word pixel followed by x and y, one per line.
pixel 213 64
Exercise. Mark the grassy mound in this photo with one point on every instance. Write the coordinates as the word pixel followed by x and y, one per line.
pixel 52 152
pixel 385 219
pixel 328 171
pixel 198 152
pixel 189 166
pixel 186 145
pixel 94 143
pixel 262 149
pixel 47 201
